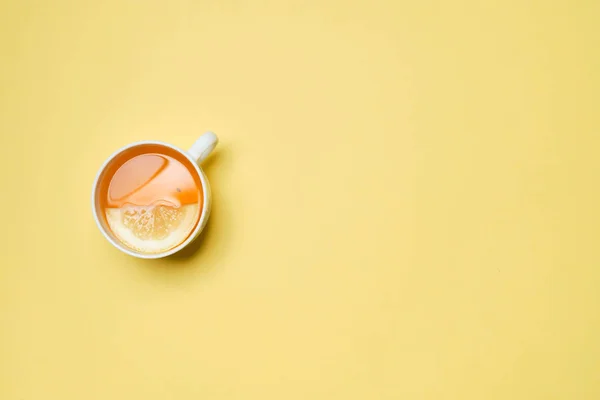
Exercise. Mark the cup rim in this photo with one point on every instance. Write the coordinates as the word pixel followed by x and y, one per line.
pixel 203 214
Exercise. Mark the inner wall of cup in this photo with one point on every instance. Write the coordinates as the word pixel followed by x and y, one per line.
pixel 119 159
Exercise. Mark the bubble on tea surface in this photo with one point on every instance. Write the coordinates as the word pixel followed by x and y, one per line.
pixel 152 229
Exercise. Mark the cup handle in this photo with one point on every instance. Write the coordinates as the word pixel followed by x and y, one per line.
pixel 203 146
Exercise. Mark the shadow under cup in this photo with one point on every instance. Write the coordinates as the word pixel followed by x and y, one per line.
pixel 121 161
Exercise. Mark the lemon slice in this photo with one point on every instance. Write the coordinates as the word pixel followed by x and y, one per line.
pixel 152 229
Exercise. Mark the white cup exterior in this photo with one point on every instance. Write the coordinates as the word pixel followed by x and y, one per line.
pixel 197 153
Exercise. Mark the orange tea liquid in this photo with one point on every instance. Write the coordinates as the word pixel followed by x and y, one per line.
pixel 151 197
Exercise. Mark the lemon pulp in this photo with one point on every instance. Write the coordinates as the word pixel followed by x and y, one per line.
pixel 152 229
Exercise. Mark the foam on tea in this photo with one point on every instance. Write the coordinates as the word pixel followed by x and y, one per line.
pixel 152 198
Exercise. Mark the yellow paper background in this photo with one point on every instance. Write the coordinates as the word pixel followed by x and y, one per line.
pixel 405 200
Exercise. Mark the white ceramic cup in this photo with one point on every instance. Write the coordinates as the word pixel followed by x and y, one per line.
pixel 196 154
